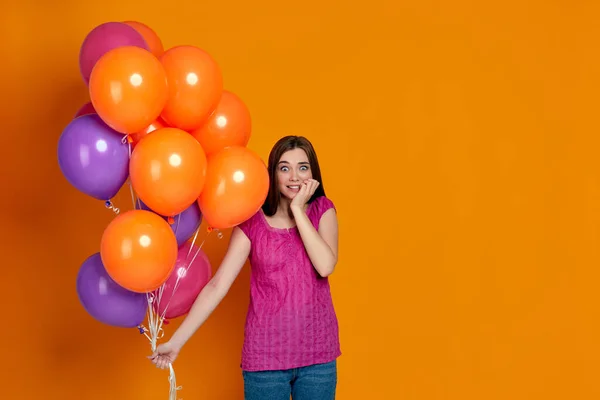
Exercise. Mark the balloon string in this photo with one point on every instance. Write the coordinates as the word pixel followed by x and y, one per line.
pixel 189 264
pixel 132 193
pixel 173 384
pixel 173 388
pixel 178 220
pixel 154 324
pixel 153 333
pixel 180 274
pixel 111 206
pixel 155 330
pixel 134 199
pixel 193 242
pixel 127 139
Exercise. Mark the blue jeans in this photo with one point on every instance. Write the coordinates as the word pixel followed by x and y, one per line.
pixel 315 382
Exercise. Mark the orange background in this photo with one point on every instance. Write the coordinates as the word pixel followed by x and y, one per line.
pixel 458 139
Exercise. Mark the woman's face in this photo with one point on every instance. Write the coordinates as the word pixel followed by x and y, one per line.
pixel 292 170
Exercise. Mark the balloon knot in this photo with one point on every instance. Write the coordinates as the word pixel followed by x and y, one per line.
pixel 165 321
pixel 141 329
pixel 171 220
pixel 209 229
pixel 110 206
pixel 129 139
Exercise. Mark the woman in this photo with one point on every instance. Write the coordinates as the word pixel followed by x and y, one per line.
pixel 291 340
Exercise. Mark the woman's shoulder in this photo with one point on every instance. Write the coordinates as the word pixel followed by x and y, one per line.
pixel 320 205
pixel 324 201
pixel 250 225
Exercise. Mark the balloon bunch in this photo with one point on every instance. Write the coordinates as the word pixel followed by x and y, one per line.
pixel 162 122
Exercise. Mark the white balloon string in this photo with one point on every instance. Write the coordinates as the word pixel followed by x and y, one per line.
pixel 155 330
pixel 173 388
pixel 178 220
pixel 182 272
pixel 193 242
pixel 112 207
pixel 153 333
pixel 135 200
pixel 154 325
pixel 132 194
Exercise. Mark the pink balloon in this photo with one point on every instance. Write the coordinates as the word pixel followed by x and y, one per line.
pixel 104 38
pixel 192 278
pixel 87 108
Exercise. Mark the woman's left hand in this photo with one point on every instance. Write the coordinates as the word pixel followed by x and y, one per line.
pixel 307 189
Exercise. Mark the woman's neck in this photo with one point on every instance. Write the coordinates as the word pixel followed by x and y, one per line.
pixel 284 207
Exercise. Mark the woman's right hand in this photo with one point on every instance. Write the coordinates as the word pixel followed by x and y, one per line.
pixel 165 354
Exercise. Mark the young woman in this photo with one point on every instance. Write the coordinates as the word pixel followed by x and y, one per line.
pixel 291 340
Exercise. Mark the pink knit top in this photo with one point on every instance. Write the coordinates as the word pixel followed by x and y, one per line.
pixel 291 321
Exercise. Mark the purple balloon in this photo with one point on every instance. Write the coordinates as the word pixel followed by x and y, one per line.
pixel 107 301
pixel 93 157
pixel 104 38
pixel 185 223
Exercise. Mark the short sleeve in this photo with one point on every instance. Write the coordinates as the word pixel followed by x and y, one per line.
pixel 249 226
pixel 319 207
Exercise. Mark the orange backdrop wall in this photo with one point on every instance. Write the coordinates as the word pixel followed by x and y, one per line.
pixel 459 141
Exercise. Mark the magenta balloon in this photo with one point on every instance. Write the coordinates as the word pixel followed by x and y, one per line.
pixel 104 38
pixel 87 108
pixel 191 281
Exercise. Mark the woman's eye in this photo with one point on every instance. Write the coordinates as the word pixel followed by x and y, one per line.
pixel 284 169
pixel 304 168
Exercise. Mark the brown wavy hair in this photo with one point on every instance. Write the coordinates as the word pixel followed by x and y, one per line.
pixel 283 145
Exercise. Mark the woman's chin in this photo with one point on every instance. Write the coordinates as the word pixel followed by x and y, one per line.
pixel 288 195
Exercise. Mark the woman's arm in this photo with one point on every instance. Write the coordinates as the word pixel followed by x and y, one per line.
pixel 321 245
pixel 212 294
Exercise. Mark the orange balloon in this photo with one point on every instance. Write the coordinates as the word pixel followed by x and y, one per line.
pixel 139 250
pixel 168 170
pixel 237 183
pixel 136 137
pixel 229 125
pixel 128 88
pixel 195 86
pixel 152 39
